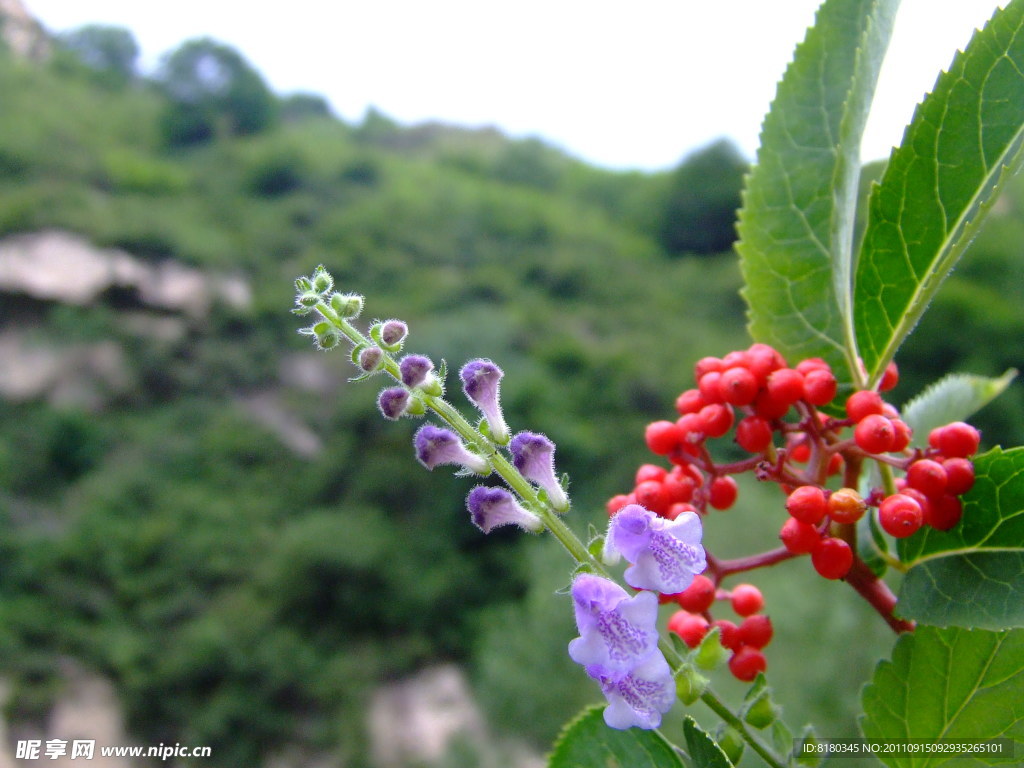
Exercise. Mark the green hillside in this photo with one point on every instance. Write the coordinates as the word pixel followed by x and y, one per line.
pixel 222 525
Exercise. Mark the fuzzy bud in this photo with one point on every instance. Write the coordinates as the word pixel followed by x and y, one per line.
pixel 415 370
pixel 393 402
pixel 347 305
pixel 322 280
pixel 370 358
pixel 393 332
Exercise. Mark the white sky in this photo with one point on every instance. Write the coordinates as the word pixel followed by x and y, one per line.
pixel 621 89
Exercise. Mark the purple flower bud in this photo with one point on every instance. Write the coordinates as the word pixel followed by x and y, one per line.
pixel 492 507
pixel 415 369
pixel 666 554
pixel 393 402
pixel 534 456
pixel 370 358
pixel 480 381
pixel 435 446
pixel 393 332
pixel 639 697
pixel 617 631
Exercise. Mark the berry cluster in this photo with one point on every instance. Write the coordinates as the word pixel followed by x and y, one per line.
pixel 799 437
pixel 745 639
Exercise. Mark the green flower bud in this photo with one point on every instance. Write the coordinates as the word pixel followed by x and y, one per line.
pixel 322 280
pixel 308 299
pixel 690 684
pixel 731 742
pixel 347 305
pixel 762 712
pixel 710 653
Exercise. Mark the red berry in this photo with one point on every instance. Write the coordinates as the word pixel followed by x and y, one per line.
pixel 746 599
pixel 874 434
pixel 820 386
pixel 890 378
pixel 945 512
pixel 706 365
pixel 678 508
pixel 699 596
pixel 807 504
pixel 763 359
pixel 863 403
pixel 799 538
pixel 738 358
pixel 786 385
pixel 738 386
pixel 730 634
pixel 903 433
pixel 709 387
pixel 756 631
pixel 956 440
pixel 690 401
pixel 959 475
pixel 649 472
pixel 717 419
pixel 800 452
pixel 832 558
pixel 679 486
pixel 662 437
pixel 753 434
pixel 769 407
pixel 722 493
pixel 812 364
pixel 846 506
pixel 651 495
pixel 900 515
pixel 615 503
pixel 746 663
pixel 690 627
pixel 927 476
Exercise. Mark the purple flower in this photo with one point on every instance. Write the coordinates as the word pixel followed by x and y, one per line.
pixel 617 631
pixel 666 554
pixel 480 380
pixel 393 402
pixel 492 507
pixel 534 456
pixel 414 370
pixel 435 446
pixel 639 697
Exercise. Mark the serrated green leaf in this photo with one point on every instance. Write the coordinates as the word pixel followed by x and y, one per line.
pixel 952 398
pixel 963 143
pixel 949 684
pixel 796 224
pixel 973 574
pixel 587 742
pixel 702 748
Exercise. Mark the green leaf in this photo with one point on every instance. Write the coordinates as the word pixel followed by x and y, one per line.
pixel 952 398
pixel 962 144
pixel 973 574
pixel 949 684
pixel 587 742
pixel 796 225
pixel 703 751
